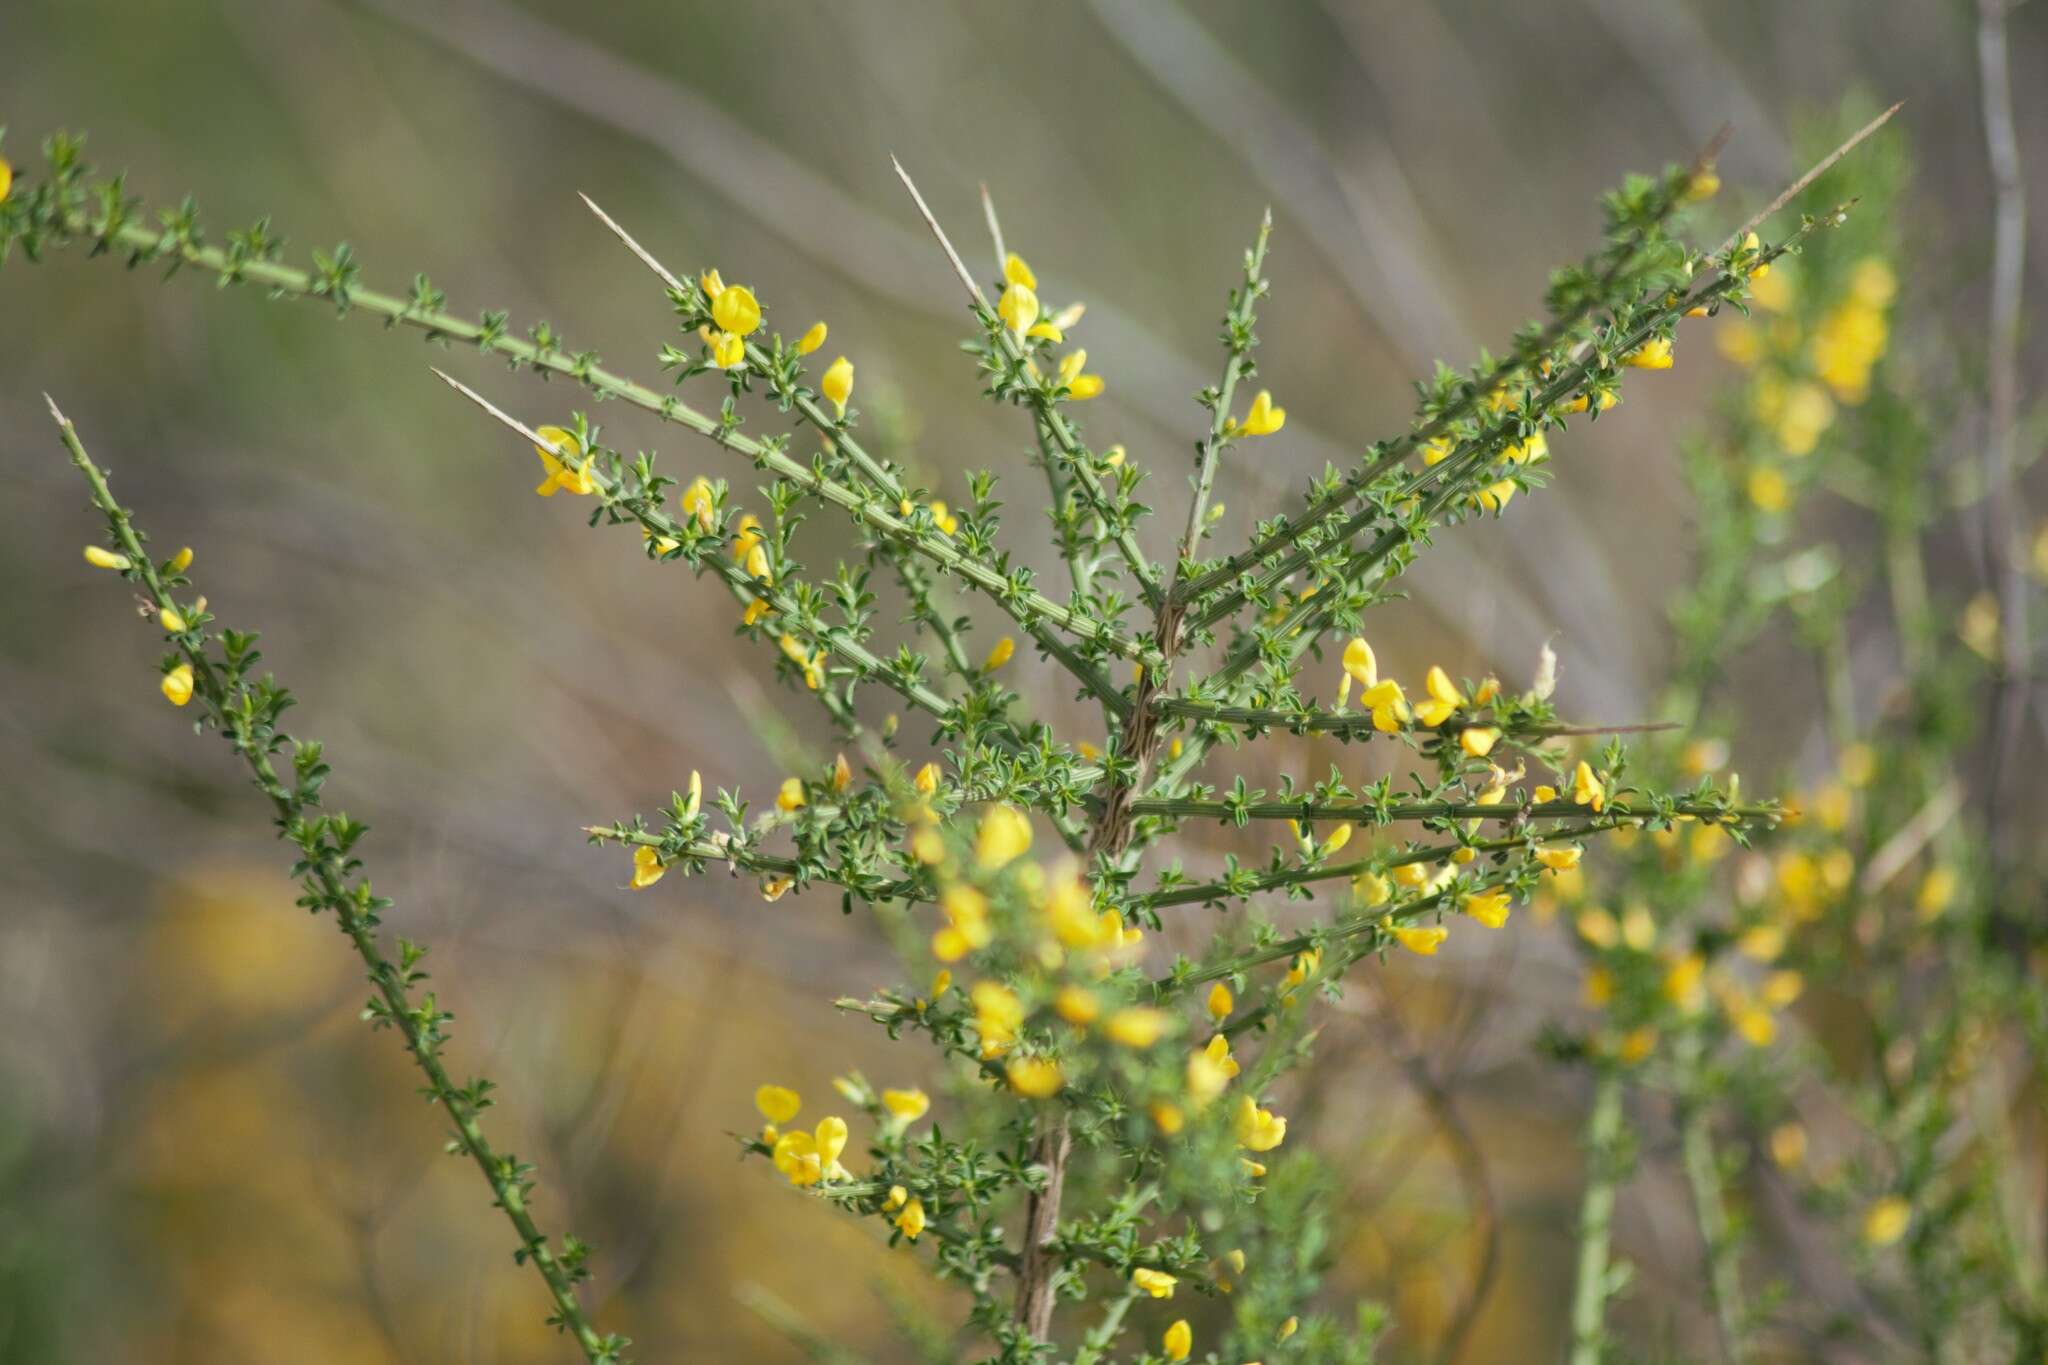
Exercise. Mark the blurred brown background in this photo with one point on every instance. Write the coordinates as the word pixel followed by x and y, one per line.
pixel 203 1156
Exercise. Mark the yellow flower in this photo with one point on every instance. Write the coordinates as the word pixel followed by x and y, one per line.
pixel 1138 1026
pixel 1587 789
pixel 736 310
pixel 1754 1023
pixel 1015 271
pixel 1886 1221
pixel 182 560
pixel 837 383
pixel 1761 942
pixel 1288 1328
pixel 1782 988
pixel 1598 928
pixel 1702 184
pixel 1388 704
pixel 728 349
pixel 1788 1145
pixel 560 477
pixel 1220 1002
pixel 6 177
pixel 177 685
pixel 1559 858
pixel 647 867
pixel 1490 908
pixel 172 620
pixel 1751 244
pixel 1639 928
pixel 1654 354
pixel 1937 892
pixel 713 282
pixel 908 1106
pixel 1359 663
pixel 1086 386
pixel 1608 399
pixel 1444 698
pixel 999 654
pixel 1421 939
pixel 1018 307
pixel 697 502
pixel 895 1199
pixel 1684 984
pixel 943 518
pixel 1157 1283
pixel 1478 740
pixel 967 926
pixel 1178 1340
pixel 1210 1069
pixel 777 1103
pixel 1256 1129
pixel 811 340
pixel 791 796
pixel 1045 331
pixel 1263 419
pixel 998 1014
pixel 1005 835
pixel 1768 489
pixel 1598 987
pixel 911 1221
pixel 1035 1078
pixel 1167 1117
pixel 104 559
pixel 1496 496
pixel 1636 1045
pixel 1077 1005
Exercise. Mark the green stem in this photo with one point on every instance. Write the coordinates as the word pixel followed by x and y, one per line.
pixel 1307 809
pixel 1709 1201
pixel 1596 1218
pixel 329 871
pixel 1024 605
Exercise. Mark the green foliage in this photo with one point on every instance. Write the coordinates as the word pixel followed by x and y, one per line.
pixel 1115 1119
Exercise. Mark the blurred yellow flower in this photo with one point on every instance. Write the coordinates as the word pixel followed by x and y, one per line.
pixel 177 685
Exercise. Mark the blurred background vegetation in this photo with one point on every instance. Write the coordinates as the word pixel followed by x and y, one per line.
pixel 203 1157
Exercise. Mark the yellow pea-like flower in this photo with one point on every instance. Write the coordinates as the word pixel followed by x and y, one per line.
pixel 811 340
pixel 1788 1145
pixel 561 477
pixel 172 620
pixel 1478 740
pixel 697 502
pixel 647 867
pixel 182 560
pixel 1178 1340
pixel 1157 1283
pixel 1490 908
pixel 1045 331
pixel 1559 858
pixel 1636 1045
pixel 1257 1130
pixel 1444 698
pixel 1077 1005
pixel 728 349
pixel 1018 307
pixel 1654 354
pixel 6 177
pixel 713 282
pixel 1359 663
pixel 1587 789
pixel 791 796
pixel 1035 1078
pixel 1886 1221
pixel 1421 939
pixel 1263 418
pixel 1016 271
pixel 908 1106
pixel 1136 1026
pixel 1005 835
pixel 1220 1002
pixel 101 558
pixel 910 1222
pixel 736 310
pixel 777 1103
pixel 177 685
pixel 837 383
pixel 999 654
pixel 927 779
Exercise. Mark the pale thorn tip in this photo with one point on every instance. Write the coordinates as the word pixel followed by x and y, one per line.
pixel 645 256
